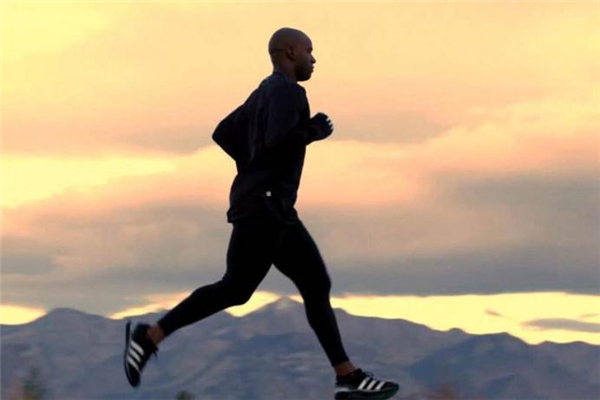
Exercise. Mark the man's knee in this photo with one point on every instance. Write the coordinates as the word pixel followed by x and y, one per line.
pixel 321 286
pixel 240 298
pixel 236 294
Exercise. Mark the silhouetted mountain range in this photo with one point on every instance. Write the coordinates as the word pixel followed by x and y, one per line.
pixel 272 353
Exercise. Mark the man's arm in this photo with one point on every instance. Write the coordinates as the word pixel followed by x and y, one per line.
pixel 225 135
pixel 283 117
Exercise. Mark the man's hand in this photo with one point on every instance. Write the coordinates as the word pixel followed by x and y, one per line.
pixel 321 126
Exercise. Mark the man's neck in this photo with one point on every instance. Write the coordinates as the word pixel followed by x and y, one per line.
pixel 289 74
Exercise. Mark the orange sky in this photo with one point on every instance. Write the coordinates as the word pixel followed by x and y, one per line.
pixel 444 111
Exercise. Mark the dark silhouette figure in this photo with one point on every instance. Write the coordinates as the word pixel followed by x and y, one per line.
pixel 267 136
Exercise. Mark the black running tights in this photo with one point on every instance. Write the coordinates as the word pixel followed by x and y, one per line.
pixel 256 244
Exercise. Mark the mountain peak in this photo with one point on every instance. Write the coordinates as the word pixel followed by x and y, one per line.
pixel 65 311
pixel 284 303
pixel 65 315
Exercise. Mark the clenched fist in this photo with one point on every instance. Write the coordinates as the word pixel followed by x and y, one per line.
pixel 321 126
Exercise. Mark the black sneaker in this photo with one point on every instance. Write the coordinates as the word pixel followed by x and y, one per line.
pixel 138 349
pixel 362 385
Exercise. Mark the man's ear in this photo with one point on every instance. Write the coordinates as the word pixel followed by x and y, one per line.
pixel 290 53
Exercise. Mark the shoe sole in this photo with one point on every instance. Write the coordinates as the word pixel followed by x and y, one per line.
pixel 361 394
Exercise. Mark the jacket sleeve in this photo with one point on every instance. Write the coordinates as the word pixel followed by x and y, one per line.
pixel 283 117
pixel 225 134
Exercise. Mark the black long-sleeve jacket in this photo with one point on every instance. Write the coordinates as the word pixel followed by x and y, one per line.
pixel 267 137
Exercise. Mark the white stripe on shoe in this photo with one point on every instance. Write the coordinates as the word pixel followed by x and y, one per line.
pixel 372 384
pixel 380 385
pixel 132 363
pixel 137 347
pixel 364 383
pixel 135 355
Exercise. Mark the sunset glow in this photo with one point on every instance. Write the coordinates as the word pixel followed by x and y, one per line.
pixel 460 185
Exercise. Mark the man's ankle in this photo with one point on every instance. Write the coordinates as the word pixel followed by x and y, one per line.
pixel 156 334
pixel 344 369
pixel 346 373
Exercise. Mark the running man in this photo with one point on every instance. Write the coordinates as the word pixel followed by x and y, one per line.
pixel 267 137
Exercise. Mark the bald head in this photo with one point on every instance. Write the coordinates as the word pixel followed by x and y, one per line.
pixel 285 38
pixel 290 51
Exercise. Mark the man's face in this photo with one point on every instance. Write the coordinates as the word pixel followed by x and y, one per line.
pixel 304 60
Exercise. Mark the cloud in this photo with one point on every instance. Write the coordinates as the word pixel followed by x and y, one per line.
pixel 508 270
pixel 502 203
pixel 112 255
pixel 559 210
pixel 107 256
pixel 185 139
pixel 392 127
pixel 52 25
pixel 28 256
pixel 562 324
pixel 493 313
pixel 27 179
